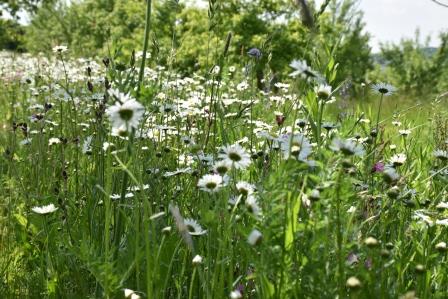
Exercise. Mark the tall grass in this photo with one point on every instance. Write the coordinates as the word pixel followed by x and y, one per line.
pixel 317 206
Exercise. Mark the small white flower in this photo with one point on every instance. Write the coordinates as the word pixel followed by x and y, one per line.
pixel 441 246
pixel 347 147
pixel 296 146
pixel 254 237
pixel 252 205
pixel 245 188
pixel 87 146
pixel 398 159
pixel 54 140
pixel 323 91
pixel 60 49
pixel 418 215
pixel 404 133
pixel 222 167
pixel 443 222
pixel 236 294
pixel 126 113
pixel 43 210
pixel 442 205
pixel 353 283
pixel 384 88
pixel 210 183
pixel 135 296
pixel 302 69
pixel 197 260
pixel 235 155
pixel 441 154
pixel 193 227
pixel 351 210
pixel 128 293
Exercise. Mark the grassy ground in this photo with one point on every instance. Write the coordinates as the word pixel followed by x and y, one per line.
pixel 205 187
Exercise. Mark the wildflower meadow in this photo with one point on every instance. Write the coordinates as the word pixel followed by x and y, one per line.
pixel 232 167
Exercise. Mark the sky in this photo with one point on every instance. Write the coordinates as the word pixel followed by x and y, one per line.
pixel 391 20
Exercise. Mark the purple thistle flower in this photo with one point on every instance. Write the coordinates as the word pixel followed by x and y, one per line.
pixel 378 167
pixel 255 53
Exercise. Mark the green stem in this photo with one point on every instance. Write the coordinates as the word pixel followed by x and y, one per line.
pixel 145 44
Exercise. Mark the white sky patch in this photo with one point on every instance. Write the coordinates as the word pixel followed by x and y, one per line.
pixel 392 20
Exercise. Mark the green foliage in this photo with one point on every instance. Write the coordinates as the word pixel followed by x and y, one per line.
pixel 184 36
pixel 414 67
pixel 11 36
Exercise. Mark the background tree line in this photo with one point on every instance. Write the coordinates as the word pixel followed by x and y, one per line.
pixel 189 38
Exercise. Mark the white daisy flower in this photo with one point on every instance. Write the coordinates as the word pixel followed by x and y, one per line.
pixel 210 183
pixel 441 154
pixel 443 222
pixel 302 69
pixel 404 133
pixel 54 140
pixel 235 155
pixel 43 210
pixel 347 147
pixel 197 260
pixel 384 88
pixel 296 146
pixel 126 113
pixel 60 49
pixel 222 167
pixel 442 205
pixel 245 188
pixel 236 294
pixel 193 227
pixel 323 91
pixel 398 159
pixel 254 237
pixel 418 215
pixel 252 205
